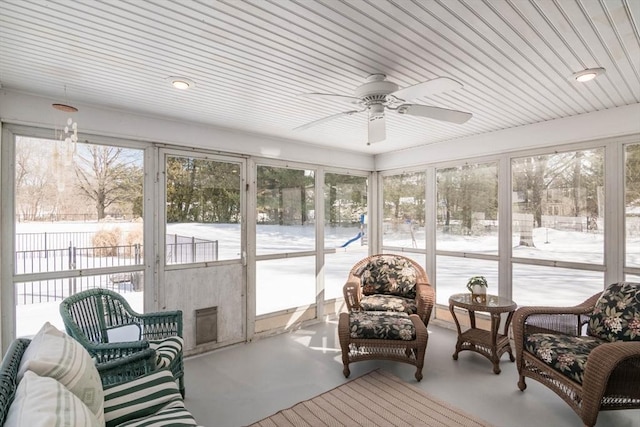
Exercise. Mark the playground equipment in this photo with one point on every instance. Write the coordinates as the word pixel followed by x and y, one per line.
pixel 361 234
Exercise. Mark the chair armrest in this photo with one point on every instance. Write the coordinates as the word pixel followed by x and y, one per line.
pixel 161 324
pixel 612 369
pixel 425 300
pixel 109 351
pixel 352 291
pixel 566 320
pixel 127 368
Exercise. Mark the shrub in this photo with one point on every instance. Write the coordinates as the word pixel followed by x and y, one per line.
pixel 135 236
pixel 107 242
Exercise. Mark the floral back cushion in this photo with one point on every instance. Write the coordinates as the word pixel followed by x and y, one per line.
pixel 616 315
pixel 389 275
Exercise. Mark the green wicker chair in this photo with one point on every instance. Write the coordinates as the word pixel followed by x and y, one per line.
pixel 104 323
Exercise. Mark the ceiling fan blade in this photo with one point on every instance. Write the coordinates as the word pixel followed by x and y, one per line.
pixel 326 119
pixel 377 130
pixel 430 87
pixel 342 98
pixel 437 113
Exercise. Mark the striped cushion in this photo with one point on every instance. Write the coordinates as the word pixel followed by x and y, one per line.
pixel 167 349
pixel 44 402
pixel 140 398
pixel 173 414
pixel 54 354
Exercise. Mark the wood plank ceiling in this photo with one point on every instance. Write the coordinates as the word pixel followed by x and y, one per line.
pixel 251 60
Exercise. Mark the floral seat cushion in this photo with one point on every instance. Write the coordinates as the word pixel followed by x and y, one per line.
pixel 389 275
pixel 388 303
pixel 381 325
pixel 616 315
pixel 565 353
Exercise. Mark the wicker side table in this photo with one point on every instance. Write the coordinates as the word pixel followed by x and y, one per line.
pixel 355 349
pixel 491 344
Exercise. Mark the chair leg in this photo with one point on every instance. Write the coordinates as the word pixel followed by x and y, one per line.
pixel 521 384
pixel 181 386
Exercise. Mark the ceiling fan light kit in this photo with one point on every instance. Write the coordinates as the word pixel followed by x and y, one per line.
pixel 378 94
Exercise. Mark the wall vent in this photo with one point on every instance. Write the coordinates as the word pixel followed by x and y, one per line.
pixel 206 325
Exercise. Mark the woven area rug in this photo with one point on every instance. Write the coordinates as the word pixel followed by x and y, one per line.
pixel 374 399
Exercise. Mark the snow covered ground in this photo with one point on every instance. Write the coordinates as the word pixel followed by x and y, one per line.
pixel 279 281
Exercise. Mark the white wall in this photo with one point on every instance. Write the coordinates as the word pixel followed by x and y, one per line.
pixel 597 125
pixel 26 109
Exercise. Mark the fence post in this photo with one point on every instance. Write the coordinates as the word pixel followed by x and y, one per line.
pixel 72 266
pixel 193 249
pixel 137 252
pixel 175 248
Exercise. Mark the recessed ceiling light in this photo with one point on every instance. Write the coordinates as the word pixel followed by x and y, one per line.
pixel 587 75
pixel 181 83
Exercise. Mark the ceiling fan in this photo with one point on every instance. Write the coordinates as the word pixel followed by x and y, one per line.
pixel 378 94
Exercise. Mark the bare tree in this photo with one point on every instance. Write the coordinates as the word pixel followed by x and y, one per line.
pixel 35 190
pixel 102 176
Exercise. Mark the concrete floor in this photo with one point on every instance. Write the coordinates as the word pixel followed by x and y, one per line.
pixel 238 385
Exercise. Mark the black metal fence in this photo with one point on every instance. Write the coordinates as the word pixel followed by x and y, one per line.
pixel 65 251
pixel 51 290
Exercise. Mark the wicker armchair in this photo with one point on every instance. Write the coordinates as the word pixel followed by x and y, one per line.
pixel 588 354
pixel 104 323
pixel 389 283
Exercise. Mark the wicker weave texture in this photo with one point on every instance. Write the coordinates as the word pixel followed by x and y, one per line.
pixel 88 315
pixel 612 373
pixel 425 295
pixel 359 349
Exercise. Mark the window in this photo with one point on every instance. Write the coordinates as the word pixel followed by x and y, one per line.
pixel 632 205
pixel 466 224
pixel 202 210
pixel 558 207
pixel 285 238
pixel 558 227
pixel 345 228
pixel 467 209
pixel 78 209
pixel 403 210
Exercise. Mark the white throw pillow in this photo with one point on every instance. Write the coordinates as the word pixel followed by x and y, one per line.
pixel 54 354
pixel 44 402
pixel 124 333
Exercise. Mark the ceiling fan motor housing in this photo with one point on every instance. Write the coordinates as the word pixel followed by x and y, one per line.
pixel 375 85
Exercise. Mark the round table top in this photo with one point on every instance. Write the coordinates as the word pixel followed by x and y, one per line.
pixel 494 303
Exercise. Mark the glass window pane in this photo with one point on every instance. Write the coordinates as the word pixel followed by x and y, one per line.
pixel 554 286
pixel 38 301
pixel 202 210
pixel 403 210
pixel 345 228
pixel 285 210
pixel 454 273
pixel 632 205
pixel 285 283
pixel 558 207
pixel 467 209
pixel 78 206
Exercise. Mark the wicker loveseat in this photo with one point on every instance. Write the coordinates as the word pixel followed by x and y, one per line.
pixel 387 282
pixel 104 323
pixel 588 354
pixel 52 380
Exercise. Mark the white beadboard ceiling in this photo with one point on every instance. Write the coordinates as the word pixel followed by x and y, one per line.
pixel 251 60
